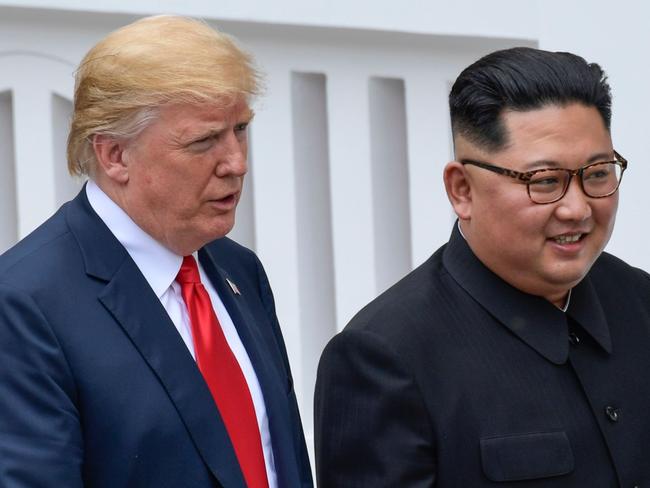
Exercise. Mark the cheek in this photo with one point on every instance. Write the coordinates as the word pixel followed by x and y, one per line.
pixel 514 213
pixel 186 182
pixel 605 214
pixel 528 230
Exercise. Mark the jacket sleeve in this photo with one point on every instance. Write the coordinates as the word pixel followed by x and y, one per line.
pixel 40 434
pixel 371 425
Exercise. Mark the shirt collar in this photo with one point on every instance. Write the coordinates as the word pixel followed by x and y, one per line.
pixel 536 321
pixel 568 301
pixel 158 264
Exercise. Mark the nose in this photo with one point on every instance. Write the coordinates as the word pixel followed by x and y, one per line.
pixel 575 205
pixel 232 159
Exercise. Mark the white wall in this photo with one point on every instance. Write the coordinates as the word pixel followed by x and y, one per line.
pixel 512 18
pixel 351 88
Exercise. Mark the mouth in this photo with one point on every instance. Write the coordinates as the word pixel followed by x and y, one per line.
pixel 568 238
pixel 227 201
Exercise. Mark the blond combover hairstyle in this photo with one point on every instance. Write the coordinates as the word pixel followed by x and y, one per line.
pixel 124 80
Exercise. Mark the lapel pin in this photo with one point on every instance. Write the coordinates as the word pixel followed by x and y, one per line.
pixel 233 287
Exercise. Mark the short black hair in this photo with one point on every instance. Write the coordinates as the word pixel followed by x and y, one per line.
pixel 522 79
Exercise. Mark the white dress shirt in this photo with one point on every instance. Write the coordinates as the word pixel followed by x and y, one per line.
pixel 159 266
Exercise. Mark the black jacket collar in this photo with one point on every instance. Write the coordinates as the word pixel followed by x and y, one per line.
pixel 533 319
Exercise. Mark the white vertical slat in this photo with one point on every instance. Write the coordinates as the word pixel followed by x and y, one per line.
pixel 65 185
pixel 351 187
pixel 35 180
pixel 40 120
pixel 315 254
pixel 244 229
pixel 429 151
pixel 275 204
pixel 8 217
pixel 388 132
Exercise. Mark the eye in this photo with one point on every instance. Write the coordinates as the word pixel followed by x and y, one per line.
pixel 546 181
pixel 598 173
pixel 202 143
pixel 240 131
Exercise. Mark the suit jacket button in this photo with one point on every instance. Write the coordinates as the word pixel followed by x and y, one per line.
pixel 574 339
pixel 612 413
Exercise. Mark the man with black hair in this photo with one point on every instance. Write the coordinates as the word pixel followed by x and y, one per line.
pixel 519 352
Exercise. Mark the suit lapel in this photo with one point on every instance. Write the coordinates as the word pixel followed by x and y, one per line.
pixel 260 350
pixel 135 307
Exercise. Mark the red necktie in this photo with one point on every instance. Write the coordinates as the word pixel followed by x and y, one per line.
pixel 223 376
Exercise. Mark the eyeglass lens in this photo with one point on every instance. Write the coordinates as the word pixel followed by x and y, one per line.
pixel 598 180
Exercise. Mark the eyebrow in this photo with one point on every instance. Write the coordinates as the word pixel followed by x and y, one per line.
pixel 209 132
pixel 188 135
pixel 549 163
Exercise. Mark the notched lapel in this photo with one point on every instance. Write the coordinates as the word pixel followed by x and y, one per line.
pixel 272 378
pixel 135 307
pixel 131 301
pixel 248 324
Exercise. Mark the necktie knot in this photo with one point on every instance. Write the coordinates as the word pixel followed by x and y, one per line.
pixel 189 272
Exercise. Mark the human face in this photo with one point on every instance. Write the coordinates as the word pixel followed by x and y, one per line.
pixel 185 174
pixel 533 246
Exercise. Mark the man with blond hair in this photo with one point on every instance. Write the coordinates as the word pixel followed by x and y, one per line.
pixel 140 347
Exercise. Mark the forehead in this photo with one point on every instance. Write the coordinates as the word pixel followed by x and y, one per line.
pixel 182 118
pixel 574 131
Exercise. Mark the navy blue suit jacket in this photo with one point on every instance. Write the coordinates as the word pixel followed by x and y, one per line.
pixel 97 388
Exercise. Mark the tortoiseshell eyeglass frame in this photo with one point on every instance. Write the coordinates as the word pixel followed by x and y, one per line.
pixel 526 176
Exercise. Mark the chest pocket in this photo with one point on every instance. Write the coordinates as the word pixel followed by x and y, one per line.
pixel 526 456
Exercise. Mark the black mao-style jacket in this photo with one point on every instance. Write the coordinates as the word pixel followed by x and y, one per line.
pixel 453 378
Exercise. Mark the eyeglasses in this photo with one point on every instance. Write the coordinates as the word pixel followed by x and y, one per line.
pixel 548 185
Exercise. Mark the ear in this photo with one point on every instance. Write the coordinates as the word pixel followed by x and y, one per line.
pixel 459 189
pixel 109 153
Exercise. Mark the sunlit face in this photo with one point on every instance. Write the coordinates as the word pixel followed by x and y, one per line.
pixel 185 174
pixel 533 247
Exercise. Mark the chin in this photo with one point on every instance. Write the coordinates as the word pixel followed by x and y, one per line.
pixel 568 278
pixel 219 231
pixel 206 230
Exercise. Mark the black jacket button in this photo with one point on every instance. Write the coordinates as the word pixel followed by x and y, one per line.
pixel 574 339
